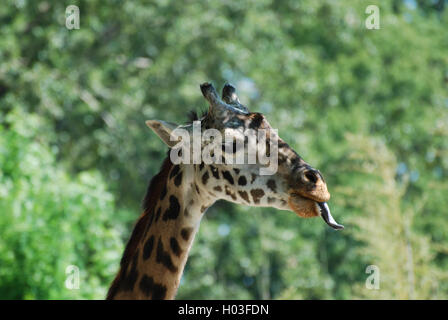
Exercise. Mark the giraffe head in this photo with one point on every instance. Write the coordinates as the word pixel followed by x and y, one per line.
pixel 221 153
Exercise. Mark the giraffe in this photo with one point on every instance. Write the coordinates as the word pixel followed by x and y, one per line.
pixel 178 196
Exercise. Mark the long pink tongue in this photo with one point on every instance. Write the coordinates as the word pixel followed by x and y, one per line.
pixel 328 218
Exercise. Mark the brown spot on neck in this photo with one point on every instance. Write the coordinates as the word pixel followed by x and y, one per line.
pixel 272 185
pixel 230 193
pixel 253 178
pixel 257 194
pixel 243 194
pixel 185 233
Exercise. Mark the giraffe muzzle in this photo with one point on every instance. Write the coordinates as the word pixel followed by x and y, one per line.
pixel 326 215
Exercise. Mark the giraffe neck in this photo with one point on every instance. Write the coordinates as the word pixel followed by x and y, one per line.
pixel 157 252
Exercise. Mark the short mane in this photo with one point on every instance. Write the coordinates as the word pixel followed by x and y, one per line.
pixel 158 182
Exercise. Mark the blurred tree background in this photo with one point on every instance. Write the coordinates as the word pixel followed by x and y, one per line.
pixel 369 108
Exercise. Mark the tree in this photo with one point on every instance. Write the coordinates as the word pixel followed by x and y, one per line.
pixel 51 220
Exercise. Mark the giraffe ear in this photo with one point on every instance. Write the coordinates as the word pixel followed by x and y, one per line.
pixel 163 129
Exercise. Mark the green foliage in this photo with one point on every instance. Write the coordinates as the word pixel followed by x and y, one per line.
pixel 386 228
pixel 50 220
pixel 369 108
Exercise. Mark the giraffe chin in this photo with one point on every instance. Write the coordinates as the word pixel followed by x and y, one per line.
pixel 303 207
pixel 307 208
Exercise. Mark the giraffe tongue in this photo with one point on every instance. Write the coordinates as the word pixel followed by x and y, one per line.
pixel 328 218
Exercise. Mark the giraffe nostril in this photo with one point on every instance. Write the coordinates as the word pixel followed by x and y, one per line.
pixel 311 176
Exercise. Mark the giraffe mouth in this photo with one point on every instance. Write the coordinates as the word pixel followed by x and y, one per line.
pixel 326 215
pixel 307 208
